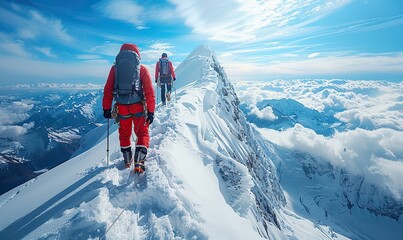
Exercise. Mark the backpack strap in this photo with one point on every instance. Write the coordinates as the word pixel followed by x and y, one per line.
pixel 115 87
pixel 160 67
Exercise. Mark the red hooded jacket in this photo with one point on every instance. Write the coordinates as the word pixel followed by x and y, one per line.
pixel 146 81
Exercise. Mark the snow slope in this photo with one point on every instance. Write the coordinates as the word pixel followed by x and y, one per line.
pixel 209 176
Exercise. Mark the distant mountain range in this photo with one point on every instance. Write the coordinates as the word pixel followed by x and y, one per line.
pixel 58 120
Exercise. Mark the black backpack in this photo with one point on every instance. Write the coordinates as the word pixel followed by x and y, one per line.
pixel 165 71
pixel 128 88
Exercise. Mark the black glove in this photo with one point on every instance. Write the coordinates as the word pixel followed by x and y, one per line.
pixel 174 79
pixel 150 117
pixel 107 113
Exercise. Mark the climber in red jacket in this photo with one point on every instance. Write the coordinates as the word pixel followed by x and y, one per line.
pixel 164 74
pixel 129 84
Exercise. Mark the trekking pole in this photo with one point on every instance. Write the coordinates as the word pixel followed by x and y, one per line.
pixel 107 145
pixel 176 96
pixel 158 83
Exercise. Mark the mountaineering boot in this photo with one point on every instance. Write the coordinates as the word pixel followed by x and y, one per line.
pixel 139 158
pixel 127 156
pixel 168 96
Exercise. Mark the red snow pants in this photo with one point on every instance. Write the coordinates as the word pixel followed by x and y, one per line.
pixel 136 122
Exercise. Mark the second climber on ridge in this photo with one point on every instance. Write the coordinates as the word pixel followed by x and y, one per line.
pixel 164 75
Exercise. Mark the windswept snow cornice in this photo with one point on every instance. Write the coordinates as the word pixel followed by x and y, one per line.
pixel 201 51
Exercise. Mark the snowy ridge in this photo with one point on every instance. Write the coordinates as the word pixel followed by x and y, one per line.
pixel 209 176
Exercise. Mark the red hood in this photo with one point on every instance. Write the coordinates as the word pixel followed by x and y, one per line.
pixel 130 46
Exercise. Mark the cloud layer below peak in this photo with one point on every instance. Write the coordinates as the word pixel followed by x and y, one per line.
pixel 372 111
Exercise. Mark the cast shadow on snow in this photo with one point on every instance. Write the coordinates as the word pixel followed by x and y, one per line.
pixel 39 216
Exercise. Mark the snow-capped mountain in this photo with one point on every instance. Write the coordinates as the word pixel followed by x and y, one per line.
pixel 288 112
pixel 210 175
pixel 333 196
pixel 50 124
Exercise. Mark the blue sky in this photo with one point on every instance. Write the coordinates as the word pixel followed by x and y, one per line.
pixel 76 41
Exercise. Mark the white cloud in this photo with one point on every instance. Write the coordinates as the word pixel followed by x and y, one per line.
pixel 372 117
pixel 289 55
pixel 63 86
pixel 368 153
pixel 390 173
pixel 14 130
pixel 123 10
pixel 265 113
pixel 365 104
pixel 88 56
pixel 30 24
pixel 134 13
pixel 241 20
pixel 141 27
pixel 312 55
pixel 46 51
pixel 155 51
pixel 371 110
pixel 112 49
pixel 272 43
pixel 34 70
pixel 161 46
pixel 226 55
pixel 14 112
pixel 330 66
pixel 108 49
pixel 153 54
pixel 374 24
pixel 12 47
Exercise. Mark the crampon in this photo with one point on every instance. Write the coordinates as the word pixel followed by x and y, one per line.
pixel 139 167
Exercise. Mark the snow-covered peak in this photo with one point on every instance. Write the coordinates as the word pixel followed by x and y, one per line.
pixel 191 69
pixel 202 50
